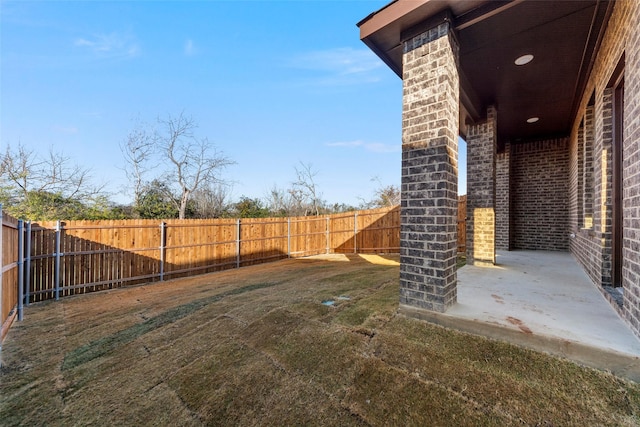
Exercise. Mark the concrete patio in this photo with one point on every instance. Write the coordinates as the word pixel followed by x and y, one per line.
pixel 544 301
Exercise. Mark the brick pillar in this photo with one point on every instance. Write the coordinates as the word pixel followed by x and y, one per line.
pixel 428 245
pixel 588 168
pixel 481 191
pixel 503 200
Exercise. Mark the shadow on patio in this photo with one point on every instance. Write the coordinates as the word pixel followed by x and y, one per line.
pixel 545 301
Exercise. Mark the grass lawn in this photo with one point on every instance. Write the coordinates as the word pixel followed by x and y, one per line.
pixel 256 346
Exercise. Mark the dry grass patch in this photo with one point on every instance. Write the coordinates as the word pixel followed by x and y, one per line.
pixel 255 346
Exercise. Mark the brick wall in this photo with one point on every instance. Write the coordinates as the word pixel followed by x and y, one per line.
pixel 540 203
pixel 631 175
pixel 585 187
pixel 592 245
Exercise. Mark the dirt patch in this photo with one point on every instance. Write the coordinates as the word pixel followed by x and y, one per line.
pixel 255 346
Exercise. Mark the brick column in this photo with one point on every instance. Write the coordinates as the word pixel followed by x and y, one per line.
pixel 428 245
pixel 481 191
pixel 588 168
pixel 503 200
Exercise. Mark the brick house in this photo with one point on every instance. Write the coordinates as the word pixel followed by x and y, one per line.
pixel 547 96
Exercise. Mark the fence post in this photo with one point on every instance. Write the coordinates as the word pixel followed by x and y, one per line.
pixel 289 237
pixel 27 268
pixel 56 278
pixel 328 237
pixel 20 268
pixel 238 243
pixel 163 240
pixel 355 232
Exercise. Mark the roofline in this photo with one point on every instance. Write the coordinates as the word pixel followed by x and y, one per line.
pixel 390 13
pixel 369 16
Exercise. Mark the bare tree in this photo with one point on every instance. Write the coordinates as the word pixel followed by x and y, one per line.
pixel 304 189
pixel 301 198
pixel 26 172
pixel 194 162
pixel 279 201
pixel 17 171
pixel 298 202
pixel 27 179
pixel 212 201
pixel 383 196
pixel 275 200
pixel 387 196
pixel 137 150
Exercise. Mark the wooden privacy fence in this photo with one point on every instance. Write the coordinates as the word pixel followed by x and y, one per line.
pixel 68 258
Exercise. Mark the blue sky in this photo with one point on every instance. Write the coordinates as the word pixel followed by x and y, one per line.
pixel 271 84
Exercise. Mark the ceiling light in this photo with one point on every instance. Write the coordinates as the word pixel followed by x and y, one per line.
pixel 533 119
pixel 524 59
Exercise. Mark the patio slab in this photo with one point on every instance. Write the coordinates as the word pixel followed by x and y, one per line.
pixel 544 301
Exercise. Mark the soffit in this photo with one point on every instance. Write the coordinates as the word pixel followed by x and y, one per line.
pixel 561 35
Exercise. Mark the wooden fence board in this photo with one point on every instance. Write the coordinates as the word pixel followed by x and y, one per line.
pixel 462 224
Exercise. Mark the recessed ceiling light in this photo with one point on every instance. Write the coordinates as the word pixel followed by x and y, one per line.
pixel 524 59
pixel 533 119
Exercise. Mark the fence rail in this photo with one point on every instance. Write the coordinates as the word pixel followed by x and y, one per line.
pixel 53 259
